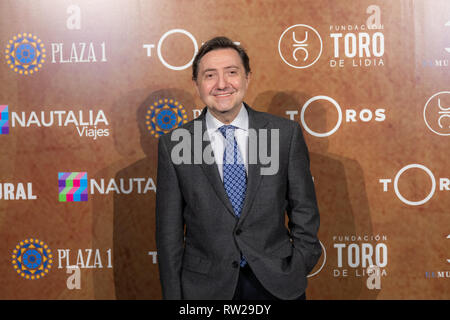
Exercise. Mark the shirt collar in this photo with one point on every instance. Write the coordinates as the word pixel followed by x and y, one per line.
pixel 240 122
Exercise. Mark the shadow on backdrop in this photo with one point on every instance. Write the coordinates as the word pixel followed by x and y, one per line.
pixel 130 224
pixel 341 197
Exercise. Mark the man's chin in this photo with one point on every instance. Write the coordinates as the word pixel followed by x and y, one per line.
pixel 225 115
pixel 223 109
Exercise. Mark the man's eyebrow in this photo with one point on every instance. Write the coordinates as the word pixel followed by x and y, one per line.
pixel 213 69
pixel 209 70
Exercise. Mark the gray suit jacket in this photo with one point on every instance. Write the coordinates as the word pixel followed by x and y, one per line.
pixel 199 239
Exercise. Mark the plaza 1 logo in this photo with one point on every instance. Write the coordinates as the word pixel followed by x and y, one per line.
pixel 25 53
pixel 77 52
pixel 357 253
pixel 159 49
pixel 351 115
pixel 85 258
pixel 440 274
pixel 436 113
pixel 86 122
pixel 32 259
pixel 75 186
pixel 444 184
pixel 164 115
pixel 358 45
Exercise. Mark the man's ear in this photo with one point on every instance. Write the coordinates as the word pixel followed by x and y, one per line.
pixel 248 76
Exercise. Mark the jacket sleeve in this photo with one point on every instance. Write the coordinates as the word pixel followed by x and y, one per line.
pixel 169 225
pixel 302 207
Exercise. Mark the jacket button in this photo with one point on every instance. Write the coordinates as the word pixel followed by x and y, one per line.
pixel 238 232
pixel 235 264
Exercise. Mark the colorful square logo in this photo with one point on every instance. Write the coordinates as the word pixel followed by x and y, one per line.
pixel 73 186
pixel 4 119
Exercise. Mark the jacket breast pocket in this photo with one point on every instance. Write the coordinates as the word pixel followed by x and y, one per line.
pixel 196 264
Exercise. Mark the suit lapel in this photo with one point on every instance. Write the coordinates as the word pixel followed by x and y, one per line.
pixel 211 171
pixel 255 122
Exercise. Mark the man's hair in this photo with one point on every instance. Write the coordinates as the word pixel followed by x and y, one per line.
pixel 215 44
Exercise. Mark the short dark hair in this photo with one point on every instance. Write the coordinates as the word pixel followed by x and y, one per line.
pixel 215 44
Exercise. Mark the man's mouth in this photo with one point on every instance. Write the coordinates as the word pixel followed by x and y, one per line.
pixel 224 94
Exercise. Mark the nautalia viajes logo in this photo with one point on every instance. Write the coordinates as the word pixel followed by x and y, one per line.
pixel 72 186
pixel 25 53
pixel 4 119
pixel 32 259
pixel 75 186
pixel 88 123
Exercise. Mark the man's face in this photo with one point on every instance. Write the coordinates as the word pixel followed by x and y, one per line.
pixel 222 83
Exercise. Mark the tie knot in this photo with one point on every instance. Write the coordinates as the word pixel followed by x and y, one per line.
pixel 227 131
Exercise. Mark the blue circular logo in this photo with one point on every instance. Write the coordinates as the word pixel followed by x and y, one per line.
pixel 165 115
pixel 32 259
pixel 25 53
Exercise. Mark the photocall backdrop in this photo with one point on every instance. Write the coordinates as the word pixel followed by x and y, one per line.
pixel 87 87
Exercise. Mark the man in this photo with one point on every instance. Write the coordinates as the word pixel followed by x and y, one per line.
pixel 220 226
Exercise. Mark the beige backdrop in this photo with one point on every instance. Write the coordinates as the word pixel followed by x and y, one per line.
pixel 375 105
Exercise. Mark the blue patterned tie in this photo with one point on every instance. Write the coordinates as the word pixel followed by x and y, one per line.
pixel 234 177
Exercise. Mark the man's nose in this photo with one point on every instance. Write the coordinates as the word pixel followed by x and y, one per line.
pixel 222 82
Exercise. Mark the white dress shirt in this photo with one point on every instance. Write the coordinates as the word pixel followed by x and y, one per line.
pixel 218 140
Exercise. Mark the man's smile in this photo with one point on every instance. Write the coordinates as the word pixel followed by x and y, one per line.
pixel 224 94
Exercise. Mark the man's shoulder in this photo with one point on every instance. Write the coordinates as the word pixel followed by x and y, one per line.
pixel 275 121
